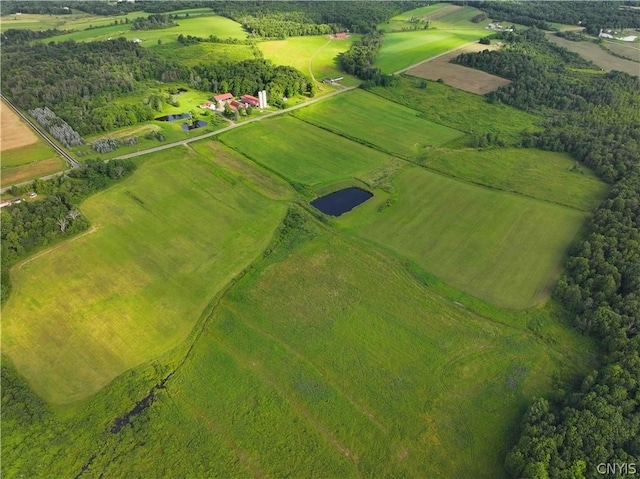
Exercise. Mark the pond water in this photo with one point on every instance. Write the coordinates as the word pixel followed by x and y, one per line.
pixel 341 201
pixel 196 124
pixel 180 116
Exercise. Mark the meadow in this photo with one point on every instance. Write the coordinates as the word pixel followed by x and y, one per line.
pixel 504 248
pixel 161 245
pixel 449 28
pixel 301 152
pixel 461 110
pixel 327 359
pixel 199 26
pixel 397 129
pixel 545 175
pixel 204 53
pixel 315 56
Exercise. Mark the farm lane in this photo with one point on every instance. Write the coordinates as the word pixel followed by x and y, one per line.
pixel 235 125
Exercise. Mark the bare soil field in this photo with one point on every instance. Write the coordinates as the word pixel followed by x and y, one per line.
pixel 13 132
pixel 458 76
pixel 597 55
pixel 443 12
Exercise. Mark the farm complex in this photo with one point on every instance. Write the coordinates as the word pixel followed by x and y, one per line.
pixel 319 239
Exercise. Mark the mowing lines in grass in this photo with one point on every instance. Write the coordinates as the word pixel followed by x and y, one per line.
pixel 163 243
pixel 301 152
pixel 504 248
pixel 376 121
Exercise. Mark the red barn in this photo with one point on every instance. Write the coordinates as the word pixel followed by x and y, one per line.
pixel 251 100
pixel 341 35
pixel 223 97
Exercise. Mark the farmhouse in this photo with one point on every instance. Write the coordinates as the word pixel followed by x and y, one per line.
pixel 251 100
pixel 208 105
pixel 341 36
pixel 222 99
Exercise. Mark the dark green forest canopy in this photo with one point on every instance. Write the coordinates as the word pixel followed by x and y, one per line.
pixel 592 15
pixel 596 118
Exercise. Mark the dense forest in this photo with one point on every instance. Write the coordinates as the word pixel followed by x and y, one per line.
pixel 592 15
pixel 359 60
pixel 283 19
pixel 596 118
pixel 28 226
pixel 79 81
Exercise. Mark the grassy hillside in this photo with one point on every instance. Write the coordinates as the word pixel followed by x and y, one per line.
pixel 376 121
pixel 204 53
pixel 504 248
pixel 162 244
pixel 328 360
pixel 301 152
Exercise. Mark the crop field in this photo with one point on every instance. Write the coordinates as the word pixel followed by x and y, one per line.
pixel 315 56
pixel 461 110
pixel 396 129
pixel 22 173
pixel 630 51
pixel 301 152
pixel 400 22
pixel 545 175
pixel 199 26
pixel 458 76
pixel 504 248
pixel 591 51
pixel 15 133
pixel 203 53
pixel 161 245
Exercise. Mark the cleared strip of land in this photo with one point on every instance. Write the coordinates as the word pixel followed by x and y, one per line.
pixel 592 52
pixel 458 76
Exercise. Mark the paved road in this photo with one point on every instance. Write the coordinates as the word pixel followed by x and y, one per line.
pixel 233 125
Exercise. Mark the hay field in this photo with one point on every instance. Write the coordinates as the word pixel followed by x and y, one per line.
pixel 162 244
pixel 504 248
pixel 14 133
pixel 458 76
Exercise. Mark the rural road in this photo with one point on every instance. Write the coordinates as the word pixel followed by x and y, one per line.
pixel 231 127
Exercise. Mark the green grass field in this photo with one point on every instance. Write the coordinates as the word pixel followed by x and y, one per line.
pixel 161 245
pixel 301 152
pixel 203 53
pixel 199 26
pixel 539 174
pixel 376 121
pixel 315 56
pixel 461 110
pixel 504 248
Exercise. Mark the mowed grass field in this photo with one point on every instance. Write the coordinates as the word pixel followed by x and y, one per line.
pixel 315 56
pixel 461 110
pixel 199 26
pixel 376 121
pixel 544 175
pixel 449 27
pixel 301 152
pixel 204 53
pixel 335 362
pixel 504 248
pixel 162 243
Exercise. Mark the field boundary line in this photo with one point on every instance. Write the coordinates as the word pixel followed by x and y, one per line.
pixel 93 229
pixel 403 70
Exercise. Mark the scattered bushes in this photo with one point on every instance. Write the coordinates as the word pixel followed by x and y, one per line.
pixel 107 145
pixel 57 127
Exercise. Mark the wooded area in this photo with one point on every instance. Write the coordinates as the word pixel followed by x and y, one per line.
pixel 597 119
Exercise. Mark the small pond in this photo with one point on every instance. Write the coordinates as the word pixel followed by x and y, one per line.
pixel 196 124
pixel 180 116
pixel 341 201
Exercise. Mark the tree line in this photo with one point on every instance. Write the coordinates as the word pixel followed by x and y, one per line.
pixel 153 22
pixel 591 15
pixel 28 226
pixel 359 60
pixel 596 118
